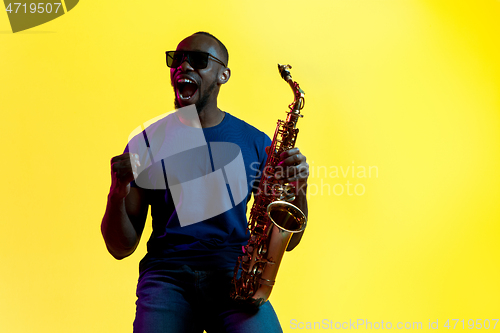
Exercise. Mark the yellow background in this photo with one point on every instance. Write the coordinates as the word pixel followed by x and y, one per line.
pixel 410 87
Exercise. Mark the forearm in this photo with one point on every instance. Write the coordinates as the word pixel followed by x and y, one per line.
pixel 301 203
pixel 117 230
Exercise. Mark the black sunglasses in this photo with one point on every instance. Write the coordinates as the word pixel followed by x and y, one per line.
pixel 197 59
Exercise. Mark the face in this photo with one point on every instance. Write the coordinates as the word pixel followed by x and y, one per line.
pixel 197 86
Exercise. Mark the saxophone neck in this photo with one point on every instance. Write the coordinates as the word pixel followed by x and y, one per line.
pixel 298 102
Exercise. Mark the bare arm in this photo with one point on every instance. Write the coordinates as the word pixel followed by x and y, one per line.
pixel 126 209
pixel 301 202
pixel 295 170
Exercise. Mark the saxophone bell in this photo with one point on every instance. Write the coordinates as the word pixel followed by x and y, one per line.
pixel 286 216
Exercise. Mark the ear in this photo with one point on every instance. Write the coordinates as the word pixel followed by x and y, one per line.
pixel 224 75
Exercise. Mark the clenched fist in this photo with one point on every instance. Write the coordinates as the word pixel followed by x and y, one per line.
pixel 123 171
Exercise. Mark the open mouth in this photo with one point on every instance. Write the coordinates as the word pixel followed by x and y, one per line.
pixel 186 88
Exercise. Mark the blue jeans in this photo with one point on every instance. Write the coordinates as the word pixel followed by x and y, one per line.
pixel 181 300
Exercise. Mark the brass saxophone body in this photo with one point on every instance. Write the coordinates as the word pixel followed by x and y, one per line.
pixel 273 220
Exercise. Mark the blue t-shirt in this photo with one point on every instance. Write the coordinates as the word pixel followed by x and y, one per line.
pixel 217 241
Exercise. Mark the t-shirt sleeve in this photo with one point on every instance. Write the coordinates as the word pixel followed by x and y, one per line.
pixel 261 152
pixel 267 143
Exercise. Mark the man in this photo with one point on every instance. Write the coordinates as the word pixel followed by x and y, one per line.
pixel 185 278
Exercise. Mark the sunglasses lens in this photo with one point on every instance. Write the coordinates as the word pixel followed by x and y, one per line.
pixel 197 60
pixel 174 59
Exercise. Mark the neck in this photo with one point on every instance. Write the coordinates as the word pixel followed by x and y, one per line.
pixel 210 116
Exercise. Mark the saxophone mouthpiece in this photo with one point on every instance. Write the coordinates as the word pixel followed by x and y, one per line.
pixel 285 74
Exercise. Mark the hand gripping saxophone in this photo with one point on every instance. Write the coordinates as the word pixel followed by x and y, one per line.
pixel 273 220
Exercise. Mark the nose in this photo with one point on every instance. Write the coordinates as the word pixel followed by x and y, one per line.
pixel 185 65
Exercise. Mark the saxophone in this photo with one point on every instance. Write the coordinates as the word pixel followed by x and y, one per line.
pixel 273 220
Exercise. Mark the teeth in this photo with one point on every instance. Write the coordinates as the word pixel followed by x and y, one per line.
pixel 186 81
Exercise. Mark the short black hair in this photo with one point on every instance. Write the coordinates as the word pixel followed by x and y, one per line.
pixel 222 46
